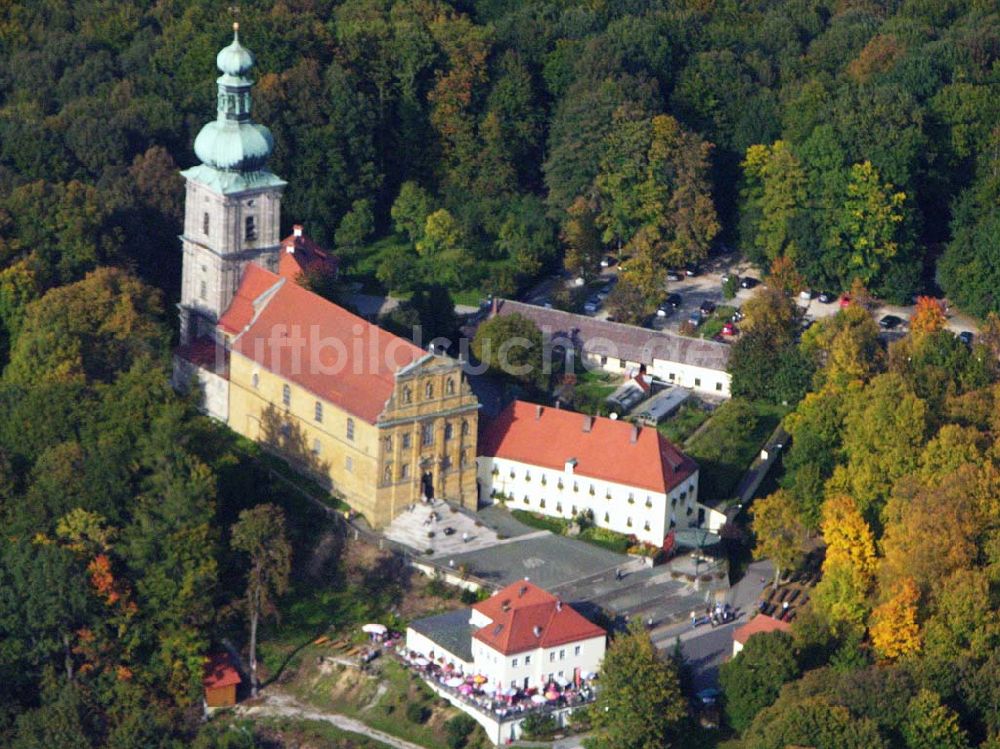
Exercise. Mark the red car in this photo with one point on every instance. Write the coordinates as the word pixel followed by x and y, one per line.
pixel 845 301
pixel 728 329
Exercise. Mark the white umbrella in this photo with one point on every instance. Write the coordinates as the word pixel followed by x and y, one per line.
pixel 561 681
pixel 509 692
pixel 421 661
pixel 375 629
pixel 538 699
pixel 488 689
pixel 454 681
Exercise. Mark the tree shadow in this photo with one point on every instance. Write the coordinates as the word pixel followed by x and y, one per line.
pixel 284 437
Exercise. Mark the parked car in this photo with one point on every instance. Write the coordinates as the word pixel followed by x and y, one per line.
pixel 728 329
pixel 889 322
pixel 805 295
pixel 592 305
pixel 965 337
pixel 674 275
pixel 607 261
pixel 748 282
pixel 695 318
pixel 826 297
pixel 692 269
pixel 664 310
pixel 674 300
pixel 707 307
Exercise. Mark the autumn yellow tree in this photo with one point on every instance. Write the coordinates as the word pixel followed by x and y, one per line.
pixel 928 315
pixel 849 566
pixel 849 539
pixel 894 630
pixel 770 312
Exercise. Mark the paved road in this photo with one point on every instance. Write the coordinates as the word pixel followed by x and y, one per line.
pixel 706 648
pixel 274 704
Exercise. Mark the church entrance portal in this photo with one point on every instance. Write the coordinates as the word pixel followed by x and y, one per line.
pixel 427 485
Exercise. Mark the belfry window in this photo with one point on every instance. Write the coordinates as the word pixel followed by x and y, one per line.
pixel 250 229
pixel 206 224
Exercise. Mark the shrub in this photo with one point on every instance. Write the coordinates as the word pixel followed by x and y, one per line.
pixel 417 712
pixel 538 726
pixel 458 730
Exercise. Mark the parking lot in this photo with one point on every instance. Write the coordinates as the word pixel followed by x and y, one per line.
pixel 707 286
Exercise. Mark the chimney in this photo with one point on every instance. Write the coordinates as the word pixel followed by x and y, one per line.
pixel 538 631
pixel 522 591
pixel 297 230
pixel 635 434
pixel 588 423
pixel 538 412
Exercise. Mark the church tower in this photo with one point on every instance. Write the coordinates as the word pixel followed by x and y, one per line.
pixel 232 213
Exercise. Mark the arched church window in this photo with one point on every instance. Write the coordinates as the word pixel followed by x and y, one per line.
pixel 465 428
pixel 448 430
pixel 407 394
pixel 387 474
pixel 429 390
pixel 449 386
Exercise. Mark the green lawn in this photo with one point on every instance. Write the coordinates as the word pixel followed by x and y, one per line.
pixel 730 442
pixel 684 422
pixel 602 537
pixel 591 391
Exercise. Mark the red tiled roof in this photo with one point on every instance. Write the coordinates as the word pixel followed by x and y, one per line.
pixel 759 623
pixel 519 609
pixel 605 452
pixel 254 283
pixel 300 254
pixel 319 345
pixel 219 672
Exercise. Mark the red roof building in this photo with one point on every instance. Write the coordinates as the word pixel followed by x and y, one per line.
pixel 525 617
pixel 300 256
pixel 631 479
pixel 306 339
pixel 758 624
pixel 602 448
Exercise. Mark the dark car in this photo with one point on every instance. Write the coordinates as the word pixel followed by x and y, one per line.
pixel 707 307
pixel 665 309
pixel 674 275
pixel 748 282
pixel 965 337
pixel 674 300
pixel 826 297
pixel 889 322
pixel 692 270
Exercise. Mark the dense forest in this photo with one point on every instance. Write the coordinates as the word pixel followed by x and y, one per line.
pixel 477 145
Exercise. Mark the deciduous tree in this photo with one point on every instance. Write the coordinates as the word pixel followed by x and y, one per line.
pixel 640 704
pixel 260 533
pixel 778 532
pixel 751 680
pixel 894 629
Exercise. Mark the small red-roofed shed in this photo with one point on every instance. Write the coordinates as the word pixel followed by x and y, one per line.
pixel 760 623
pixel 220 681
